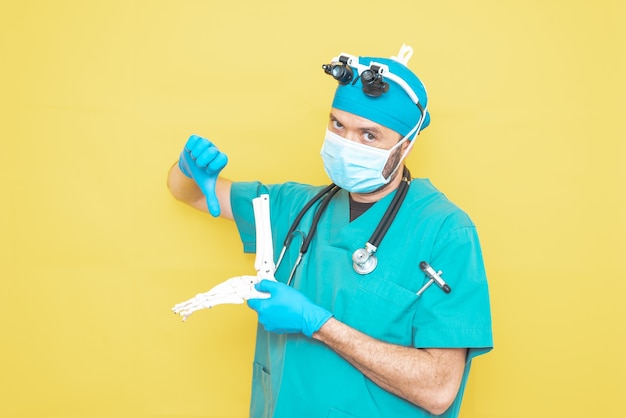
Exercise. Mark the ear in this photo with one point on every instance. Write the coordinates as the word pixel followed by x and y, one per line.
pixel 408 146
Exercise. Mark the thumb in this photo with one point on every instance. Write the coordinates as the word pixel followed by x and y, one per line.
pixel 207 187
pixel 266 286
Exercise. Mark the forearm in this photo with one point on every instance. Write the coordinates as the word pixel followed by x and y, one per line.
pixel 182 187
pixel 429 378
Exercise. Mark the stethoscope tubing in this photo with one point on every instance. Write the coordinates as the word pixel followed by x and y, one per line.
pixel 296 222
pixel 325 201
pixel 392 211
pixel 324 196
pixel 316 218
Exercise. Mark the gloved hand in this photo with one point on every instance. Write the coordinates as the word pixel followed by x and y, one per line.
pixel 287 310
pixel 202 162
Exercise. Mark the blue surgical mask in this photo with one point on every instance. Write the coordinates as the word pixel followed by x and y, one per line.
pixel 356 167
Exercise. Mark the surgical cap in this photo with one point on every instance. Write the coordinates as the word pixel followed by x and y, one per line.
pixel 393 109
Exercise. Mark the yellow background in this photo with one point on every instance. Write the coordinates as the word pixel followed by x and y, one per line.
pixel 98 98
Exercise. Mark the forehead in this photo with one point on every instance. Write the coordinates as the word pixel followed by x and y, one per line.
pixel 352 121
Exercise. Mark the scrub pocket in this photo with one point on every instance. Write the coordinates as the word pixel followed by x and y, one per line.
pixel 261 402
pixel 383 310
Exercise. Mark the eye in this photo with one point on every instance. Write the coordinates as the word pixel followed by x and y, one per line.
pixel 336 124
pixel 368 136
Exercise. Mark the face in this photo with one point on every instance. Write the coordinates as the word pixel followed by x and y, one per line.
pixel 364 131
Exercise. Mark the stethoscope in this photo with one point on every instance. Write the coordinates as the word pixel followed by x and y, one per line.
pixel 364 260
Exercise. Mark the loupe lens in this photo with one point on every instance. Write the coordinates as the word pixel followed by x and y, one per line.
pixel 373 84
pixel 341 73
pixel 367 77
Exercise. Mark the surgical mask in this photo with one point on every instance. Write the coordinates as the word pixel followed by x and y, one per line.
pixel 356 167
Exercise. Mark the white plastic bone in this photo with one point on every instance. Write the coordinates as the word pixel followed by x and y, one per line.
pixel 235 290
pixel 238 289
pixel 264 261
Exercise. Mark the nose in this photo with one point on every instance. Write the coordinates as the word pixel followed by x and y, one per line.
pixel 352 135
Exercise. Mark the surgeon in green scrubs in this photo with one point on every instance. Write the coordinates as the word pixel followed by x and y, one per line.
pixel 333 341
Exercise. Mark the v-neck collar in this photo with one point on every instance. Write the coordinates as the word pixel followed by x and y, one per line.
pixel 346 234
pixel 358 208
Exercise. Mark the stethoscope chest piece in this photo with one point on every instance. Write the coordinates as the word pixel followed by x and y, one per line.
pixel 364 260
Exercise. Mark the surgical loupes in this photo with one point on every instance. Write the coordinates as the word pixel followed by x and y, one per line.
pixel 238 289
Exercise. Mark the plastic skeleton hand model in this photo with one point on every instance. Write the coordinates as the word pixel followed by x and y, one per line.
pixel 238 289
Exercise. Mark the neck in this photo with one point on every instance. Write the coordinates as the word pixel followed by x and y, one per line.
pixel 378 194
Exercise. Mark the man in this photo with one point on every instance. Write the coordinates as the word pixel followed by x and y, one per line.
pixel 348 333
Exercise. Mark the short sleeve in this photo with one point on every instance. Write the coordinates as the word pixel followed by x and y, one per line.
pixel 286 200
pixel 461 318
pixel 241 196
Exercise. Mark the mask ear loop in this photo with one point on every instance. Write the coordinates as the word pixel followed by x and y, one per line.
pixel 413 132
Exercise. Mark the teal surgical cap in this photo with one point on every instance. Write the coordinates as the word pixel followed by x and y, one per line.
pixel 393 109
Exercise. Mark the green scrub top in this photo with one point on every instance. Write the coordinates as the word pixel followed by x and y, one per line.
pixel 294 376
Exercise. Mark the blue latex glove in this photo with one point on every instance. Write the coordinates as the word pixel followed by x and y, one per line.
pixel 287 310
pixel 202 162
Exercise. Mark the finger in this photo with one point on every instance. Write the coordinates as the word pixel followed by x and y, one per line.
pixel 199 148
pixel 218 162
pixel 213 205
pixel 266 286
pixel 207 157
pixel 254 304
pixel 207 187
pixel 191 142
